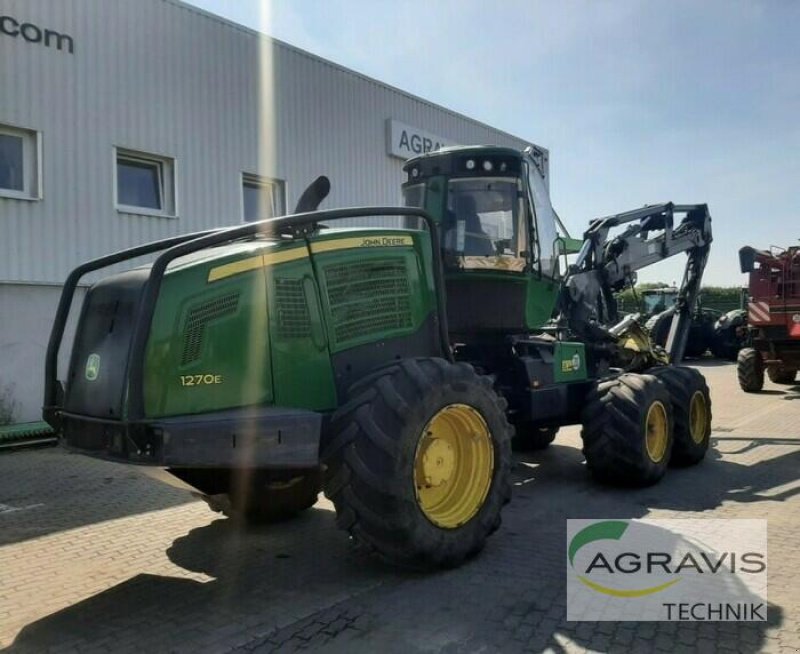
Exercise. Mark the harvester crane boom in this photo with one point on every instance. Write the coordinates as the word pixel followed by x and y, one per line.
pixel 606 264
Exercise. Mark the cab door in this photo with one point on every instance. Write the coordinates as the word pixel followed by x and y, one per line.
pixel 545 276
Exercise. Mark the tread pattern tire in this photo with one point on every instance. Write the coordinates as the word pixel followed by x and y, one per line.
pixel 264 502
pixel 528 438
pixel 369 455
pixel 682 383
pixel 781 375
pixel 614 430
pixel 750 370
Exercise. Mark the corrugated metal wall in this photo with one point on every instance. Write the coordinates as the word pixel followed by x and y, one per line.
pixel 163 77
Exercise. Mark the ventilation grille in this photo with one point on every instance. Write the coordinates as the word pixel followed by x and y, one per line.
pixel 368 298
pixel 290 301
pixel 199 316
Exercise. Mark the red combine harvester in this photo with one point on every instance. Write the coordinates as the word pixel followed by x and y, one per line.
pixel 773 316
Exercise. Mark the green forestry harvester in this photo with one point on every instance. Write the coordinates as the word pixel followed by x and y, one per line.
pixel 388 367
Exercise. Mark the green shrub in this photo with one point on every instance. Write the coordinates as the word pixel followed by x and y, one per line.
pixel 7 405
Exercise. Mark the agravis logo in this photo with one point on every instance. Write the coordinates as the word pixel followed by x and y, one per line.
pixel 606 530
pixel 666 569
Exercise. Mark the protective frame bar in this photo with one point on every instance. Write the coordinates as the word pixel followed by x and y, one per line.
pixel 172 248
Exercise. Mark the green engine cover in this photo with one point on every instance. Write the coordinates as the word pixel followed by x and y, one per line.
pixel 259 322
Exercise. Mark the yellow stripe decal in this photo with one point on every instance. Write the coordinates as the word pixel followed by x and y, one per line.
pixel 264 260
pixel 361 242
pixel 254 263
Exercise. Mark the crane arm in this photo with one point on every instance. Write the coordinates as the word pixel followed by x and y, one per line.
pixel 606 264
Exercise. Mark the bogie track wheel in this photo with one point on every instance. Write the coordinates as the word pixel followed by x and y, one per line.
pixel 691 410
pixel 627 430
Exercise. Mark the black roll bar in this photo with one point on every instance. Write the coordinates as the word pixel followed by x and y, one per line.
pixel 182 245
pixel 51 388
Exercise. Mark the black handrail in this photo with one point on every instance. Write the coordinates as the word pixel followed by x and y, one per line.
pixel 65 302
pixel 180 246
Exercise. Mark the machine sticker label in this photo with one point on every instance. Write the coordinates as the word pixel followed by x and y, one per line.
pixel 571 365
pixel 92 369
pixel 200 380
pixel 362 242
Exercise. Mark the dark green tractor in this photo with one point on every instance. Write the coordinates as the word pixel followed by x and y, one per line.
pixel 659 305
pixel 389 367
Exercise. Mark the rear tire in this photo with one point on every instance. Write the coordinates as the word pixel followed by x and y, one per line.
pixel 691 412
pixel 627 430
pixel 385 444
pixel 262 501
pixel 750 370
pixel 532 439
pixel 781 374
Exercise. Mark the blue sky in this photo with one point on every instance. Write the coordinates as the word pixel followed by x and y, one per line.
pixel 638 101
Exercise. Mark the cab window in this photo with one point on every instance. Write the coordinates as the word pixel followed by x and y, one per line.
pixel 484 225
pixel 546 232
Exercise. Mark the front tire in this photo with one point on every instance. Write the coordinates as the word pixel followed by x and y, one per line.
pixel 691 411
pixel 627 430
pixel 750 370
pixel 532 439
pixel 781 374
pixel 418 462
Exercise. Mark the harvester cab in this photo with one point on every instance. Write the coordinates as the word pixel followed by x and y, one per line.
pixel 386 366
pixel 502 242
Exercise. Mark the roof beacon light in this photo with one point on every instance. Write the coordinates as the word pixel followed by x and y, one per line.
pixel 470 164
pixel 488 165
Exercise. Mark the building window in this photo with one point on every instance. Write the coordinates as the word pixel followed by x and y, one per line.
pixel 261 198
pixel 19 163
pixel 145 183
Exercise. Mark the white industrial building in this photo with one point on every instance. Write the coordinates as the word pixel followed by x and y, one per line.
pixel 127 121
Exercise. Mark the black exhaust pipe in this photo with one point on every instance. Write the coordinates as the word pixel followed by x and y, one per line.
pixel 313 196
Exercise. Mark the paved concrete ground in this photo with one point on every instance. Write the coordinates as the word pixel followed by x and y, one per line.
pixel 95 557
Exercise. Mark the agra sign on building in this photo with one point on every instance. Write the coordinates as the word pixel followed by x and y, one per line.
pixel 405 141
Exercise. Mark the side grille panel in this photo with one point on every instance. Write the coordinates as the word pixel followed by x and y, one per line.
pixel 201 315
pixel 368 298
pixel 293 319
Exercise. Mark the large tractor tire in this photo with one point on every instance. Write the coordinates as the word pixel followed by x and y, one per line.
pixel 627 430
pixel 691 412
pixel 698 341
pixel 750 370
pixel 728 339
pixel 418 462
pixel 263 502
pixel 781 374
pixel 531 439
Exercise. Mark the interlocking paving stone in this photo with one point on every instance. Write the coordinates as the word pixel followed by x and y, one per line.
pixel 96 557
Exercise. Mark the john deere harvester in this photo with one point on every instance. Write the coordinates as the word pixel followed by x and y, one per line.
pixel 389 367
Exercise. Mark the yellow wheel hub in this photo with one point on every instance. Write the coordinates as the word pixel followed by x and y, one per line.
pixel 657 436
pixel 453 466
pixel 698 417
